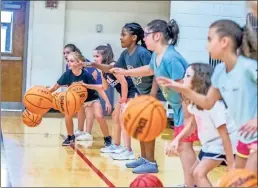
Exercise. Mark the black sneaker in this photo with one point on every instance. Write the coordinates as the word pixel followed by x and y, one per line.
pixel 107 141
pixel 69 140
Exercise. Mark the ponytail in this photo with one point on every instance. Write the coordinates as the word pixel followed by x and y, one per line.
pixel 107 53
pixel 170 30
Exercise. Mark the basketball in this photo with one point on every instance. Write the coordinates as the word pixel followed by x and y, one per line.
pixel 146 180
pixel 238 178
pixel 38 100
pixel 69 103
pixel 144 118
pixel 80 89
pixel 55 99
pixel 31 119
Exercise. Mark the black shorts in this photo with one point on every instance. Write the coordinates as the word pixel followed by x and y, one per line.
pixel 132 94
pixel 213 156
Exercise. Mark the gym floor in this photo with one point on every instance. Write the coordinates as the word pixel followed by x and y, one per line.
pixel 35 157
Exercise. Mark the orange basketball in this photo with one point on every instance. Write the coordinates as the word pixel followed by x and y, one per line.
pixel 146 180
pixel 144 118
pixel 69 103
pixel 80 89
pixel 38 100
pixel 55 99
pixel 238 178
pixel 31 119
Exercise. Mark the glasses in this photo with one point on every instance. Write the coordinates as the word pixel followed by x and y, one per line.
pixel 148 33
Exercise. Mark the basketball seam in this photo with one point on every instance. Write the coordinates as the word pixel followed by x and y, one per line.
pixel 161 118
pixel 145 184
pixel 56 103
pixel 129 107
pixel 39 96
pixel 67 109
pixel 150 102
pixel 35 105
pixel 34 122
pixel 155 183
pixel 148 130
pixel 139 116
pixel 74 102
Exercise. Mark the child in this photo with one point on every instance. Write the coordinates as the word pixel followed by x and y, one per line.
pixel 161 37
pixel 77 74
pixel 235 80
pixel 88 112
pixel 124 86
pixel 134 56
pixel 217 136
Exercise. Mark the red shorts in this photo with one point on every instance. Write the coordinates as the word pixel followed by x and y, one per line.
pixel 243 149
pixel 192 138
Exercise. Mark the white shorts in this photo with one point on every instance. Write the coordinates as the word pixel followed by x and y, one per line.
pixel 89 103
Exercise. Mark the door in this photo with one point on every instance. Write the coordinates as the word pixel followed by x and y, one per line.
pixel 13 55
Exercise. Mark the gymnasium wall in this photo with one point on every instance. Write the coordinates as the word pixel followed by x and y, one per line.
pixel 75 22
pixel 194 18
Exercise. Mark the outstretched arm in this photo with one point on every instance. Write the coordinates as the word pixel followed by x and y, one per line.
pixel 140 71
pixel 54 88
pixel 103 67
pixel 204 101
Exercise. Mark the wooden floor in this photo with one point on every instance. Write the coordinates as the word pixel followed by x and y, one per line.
pixel 34 157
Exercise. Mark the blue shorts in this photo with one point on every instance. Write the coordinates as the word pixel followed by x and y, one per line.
pixel 213 156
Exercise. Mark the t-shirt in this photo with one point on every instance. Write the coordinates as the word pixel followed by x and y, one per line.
pixel 207 123
pixel 238 89
pixel 140 57
pixel 113 82
pixel 68 78
pixel 172 66
pixel 91 70
pixel 66 66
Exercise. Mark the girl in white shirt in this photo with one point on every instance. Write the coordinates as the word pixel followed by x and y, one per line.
pixel 216 132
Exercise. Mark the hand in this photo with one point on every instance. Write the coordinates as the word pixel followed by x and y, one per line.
pixel 253 147
pixel 172 148
pixel 169 83
pixel 122 100
pixel 87 64
pixel 82 64
pixel 108 107
pixel 231 166
pixel 118 71
pixel 249 128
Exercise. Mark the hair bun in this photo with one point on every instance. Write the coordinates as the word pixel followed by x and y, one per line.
pixel 173 31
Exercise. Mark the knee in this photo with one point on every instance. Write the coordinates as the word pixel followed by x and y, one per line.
pixel 198 173
pixel 185 147
pixel 99 116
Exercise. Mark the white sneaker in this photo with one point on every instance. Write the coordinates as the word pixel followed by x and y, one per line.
pixel 126 155
pixel 78 133
pixel 85 137
pixel 109 149
pixel 119 149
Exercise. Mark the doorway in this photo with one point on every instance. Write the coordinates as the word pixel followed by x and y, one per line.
pixel 14 37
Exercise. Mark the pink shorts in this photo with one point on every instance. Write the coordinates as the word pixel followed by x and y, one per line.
pixel 243 149
pixel 192 138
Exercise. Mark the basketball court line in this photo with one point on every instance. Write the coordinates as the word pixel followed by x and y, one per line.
pixel 3 148
pixel 90 164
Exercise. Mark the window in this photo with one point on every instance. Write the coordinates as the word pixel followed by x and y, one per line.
pixel 6 31
pixel 252 20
